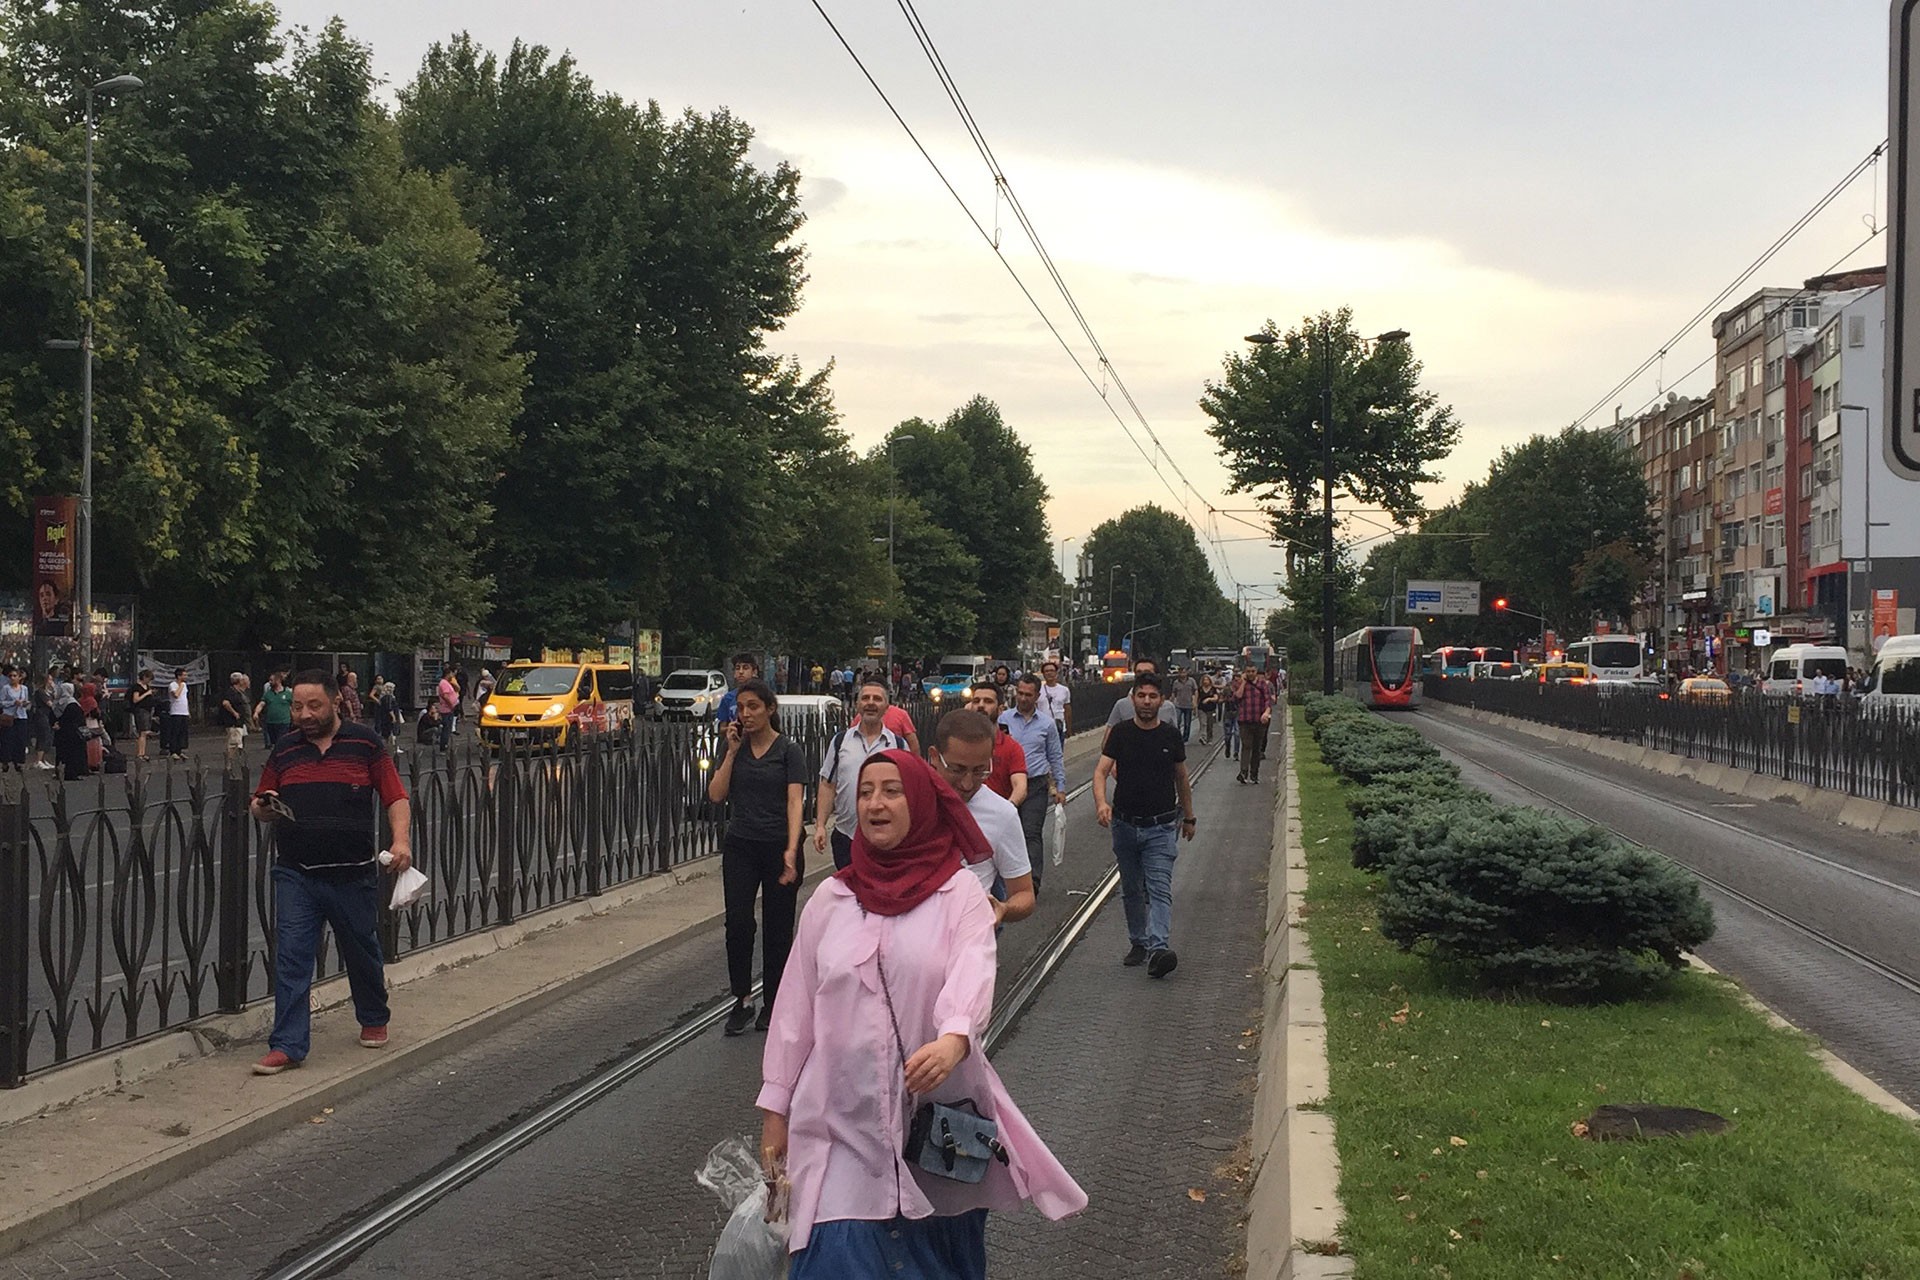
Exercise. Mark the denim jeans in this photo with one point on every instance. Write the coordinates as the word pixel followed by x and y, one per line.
pixel 1186 723
pixel 1230 735
pixel 1145 856
pixel 302 904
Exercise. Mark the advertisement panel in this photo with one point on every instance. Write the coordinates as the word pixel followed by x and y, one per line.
pixel 1886 614
pixel 51 592
pixel 646 653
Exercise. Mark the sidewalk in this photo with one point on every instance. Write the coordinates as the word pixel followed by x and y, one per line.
pixel 138 1125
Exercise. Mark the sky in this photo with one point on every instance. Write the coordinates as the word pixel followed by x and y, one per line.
pixel 1542 194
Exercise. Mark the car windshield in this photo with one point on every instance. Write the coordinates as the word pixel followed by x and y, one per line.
pixel 680 681
pixel 1496 655
pixel 538 682
pixel 1835 667
pixel 1566 673
pixel 1710 686
pixel 956 670
pixel 1616 653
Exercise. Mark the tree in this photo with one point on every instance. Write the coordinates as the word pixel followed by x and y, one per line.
pixel 1386 431
pixel 1573 535
pixel 828 594
pixel 937 603
pixel 305 371
pixel 1179 605
pixel 649 465
pixel 974 476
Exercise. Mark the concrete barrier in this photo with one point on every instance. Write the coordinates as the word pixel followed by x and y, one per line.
pixel 1296 1168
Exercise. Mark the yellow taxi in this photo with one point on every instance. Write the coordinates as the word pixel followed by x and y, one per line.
pixel 1562 672
pixel 539 704
pixel 1704 689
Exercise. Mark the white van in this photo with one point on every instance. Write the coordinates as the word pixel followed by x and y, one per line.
pixel 1790 671
pixel 1895 679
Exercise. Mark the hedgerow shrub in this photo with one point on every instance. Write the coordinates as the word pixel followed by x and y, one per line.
pixel 1385 835
pixel 1404 790
pixel 1318 706
pixel 1527 900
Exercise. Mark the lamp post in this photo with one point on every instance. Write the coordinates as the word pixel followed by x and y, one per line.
pixel 1866 455
pixel 1066 639
pixel 1326 484
pixel 1111 618
pixel 116 84
pixel 1500 605
pixel 1133 616
pixel 892 582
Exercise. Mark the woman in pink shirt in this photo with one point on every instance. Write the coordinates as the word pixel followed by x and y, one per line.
pixel 905 920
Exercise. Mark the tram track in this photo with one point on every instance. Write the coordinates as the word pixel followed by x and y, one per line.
pixel 350 1242
pixel 1813 933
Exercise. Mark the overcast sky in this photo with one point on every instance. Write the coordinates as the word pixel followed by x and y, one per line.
pixel 1542 193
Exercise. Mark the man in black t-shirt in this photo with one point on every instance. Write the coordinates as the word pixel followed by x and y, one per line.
pixel 1151 809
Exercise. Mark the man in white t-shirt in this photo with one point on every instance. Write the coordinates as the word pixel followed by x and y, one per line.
pixel 962 752
pixel 1056 697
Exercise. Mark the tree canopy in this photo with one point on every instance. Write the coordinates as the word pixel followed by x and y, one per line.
pixel 1178 604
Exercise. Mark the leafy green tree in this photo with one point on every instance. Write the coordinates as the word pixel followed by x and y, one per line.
pixel 305 372
pixel 1386 434
pixel 975 476
pixel 937 604
pixel 1179 604
pixel 828 595
pixel 657 436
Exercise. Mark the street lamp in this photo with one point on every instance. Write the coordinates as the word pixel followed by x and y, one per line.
pixel 1500 605
pixel 1066 638
pixel 1866 455
pixel 892 582
pixel 116 84
pixel 1133 616
pixel 1326 483
pixel 1111 618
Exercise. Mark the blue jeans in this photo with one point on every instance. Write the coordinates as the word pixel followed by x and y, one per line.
pixel 1145 856
pixel 1230 734
pixel 302 904
pixel 1186 723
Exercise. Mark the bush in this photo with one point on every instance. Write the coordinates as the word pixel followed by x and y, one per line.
pixel 1525 899
pixel 1384 835
pixel 1403 790
pixel 1318 706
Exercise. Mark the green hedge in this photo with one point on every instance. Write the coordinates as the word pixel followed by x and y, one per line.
pixel 1518 897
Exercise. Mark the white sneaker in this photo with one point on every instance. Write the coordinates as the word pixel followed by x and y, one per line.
pixel 41 764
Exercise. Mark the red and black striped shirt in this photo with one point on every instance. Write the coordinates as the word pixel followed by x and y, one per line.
pixel 335 822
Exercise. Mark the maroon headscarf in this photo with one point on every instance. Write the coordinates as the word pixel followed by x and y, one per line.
pixel 941 835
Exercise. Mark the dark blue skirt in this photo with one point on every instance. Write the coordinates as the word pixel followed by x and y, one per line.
pixel 903 1249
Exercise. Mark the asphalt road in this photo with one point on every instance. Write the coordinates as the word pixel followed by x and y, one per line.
pixel 1819 921
pixel 612 1191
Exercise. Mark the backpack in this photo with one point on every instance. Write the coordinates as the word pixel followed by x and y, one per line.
pixel 887 736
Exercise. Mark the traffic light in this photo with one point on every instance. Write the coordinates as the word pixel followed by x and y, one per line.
pixel 1499 604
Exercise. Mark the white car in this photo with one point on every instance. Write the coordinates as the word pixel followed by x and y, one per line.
pixel 689 693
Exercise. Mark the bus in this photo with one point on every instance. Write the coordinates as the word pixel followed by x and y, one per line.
pixel 1455 660
pixel 1608 658
pixel 1379 666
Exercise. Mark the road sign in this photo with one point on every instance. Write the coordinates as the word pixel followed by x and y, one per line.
pixel 1900 434
pixel 1425 596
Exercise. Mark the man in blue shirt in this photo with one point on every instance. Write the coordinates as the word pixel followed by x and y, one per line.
pixel 745 667
pixel 1039 736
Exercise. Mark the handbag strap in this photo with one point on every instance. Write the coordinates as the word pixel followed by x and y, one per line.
pixel 898 1043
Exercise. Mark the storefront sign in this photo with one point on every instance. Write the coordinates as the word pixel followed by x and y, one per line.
pixel 1776 501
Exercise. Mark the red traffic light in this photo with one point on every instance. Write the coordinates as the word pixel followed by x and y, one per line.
pixel 1500 603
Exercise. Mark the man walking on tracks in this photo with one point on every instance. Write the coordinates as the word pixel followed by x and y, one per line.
pixel 317 788
pixel 1151 810
pixel 1256 712
pixel 1029 725
pixel 836 812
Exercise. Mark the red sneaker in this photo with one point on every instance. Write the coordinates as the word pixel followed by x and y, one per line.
pixel 273 1064
pixel 373 1037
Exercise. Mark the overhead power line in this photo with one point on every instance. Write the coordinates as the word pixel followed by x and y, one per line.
pixel 1158 453
pixel 1869 161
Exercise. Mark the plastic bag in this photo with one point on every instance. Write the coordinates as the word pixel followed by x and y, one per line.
pixel 407 886
pixel 1054 835
pixel 750 1247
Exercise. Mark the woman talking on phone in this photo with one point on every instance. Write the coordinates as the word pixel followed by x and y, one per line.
pixel 764 774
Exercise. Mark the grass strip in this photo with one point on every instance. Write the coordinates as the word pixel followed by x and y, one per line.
pixel 1455 1109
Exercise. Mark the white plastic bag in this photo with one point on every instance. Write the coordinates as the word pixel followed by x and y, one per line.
pixel 407 886
pixel 1054 835
pixel 750 1247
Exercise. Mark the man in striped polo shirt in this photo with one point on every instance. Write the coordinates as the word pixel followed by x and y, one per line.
pixel 319 787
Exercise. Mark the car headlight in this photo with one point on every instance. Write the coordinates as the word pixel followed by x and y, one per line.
pixel 936 695
pixel 492 710
pixel 557 709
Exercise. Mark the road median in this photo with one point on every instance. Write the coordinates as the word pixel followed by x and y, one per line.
pixel 1459 1114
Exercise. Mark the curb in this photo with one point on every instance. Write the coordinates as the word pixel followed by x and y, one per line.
pixel 204 1148
pixel 1834 806
pixel 1296 1167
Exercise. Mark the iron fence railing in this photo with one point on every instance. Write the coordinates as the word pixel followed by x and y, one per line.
pixel 134 904
pixel 1836 744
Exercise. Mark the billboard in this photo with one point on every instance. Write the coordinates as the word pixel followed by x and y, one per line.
pixel 1433 596
pixel 51 590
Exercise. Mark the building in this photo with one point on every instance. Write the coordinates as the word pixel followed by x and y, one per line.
pixel 1672 442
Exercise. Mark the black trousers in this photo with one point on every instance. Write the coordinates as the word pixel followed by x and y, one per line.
pixel 1253 740
pixel 750 868
pixel 1033 822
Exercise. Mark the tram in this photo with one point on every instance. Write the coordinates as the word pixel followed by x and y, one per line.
pixel 1379 666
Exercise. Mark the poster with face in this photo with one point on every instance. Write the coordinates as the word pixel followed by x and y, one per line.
pixel 51 592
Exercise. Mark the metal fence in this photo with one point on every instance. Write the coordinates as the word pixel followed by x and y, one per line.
pixel 134 904
pixel 1832 743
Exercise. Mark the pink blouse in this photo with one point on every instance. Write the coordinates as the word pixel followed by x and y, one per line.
pixel 833 1069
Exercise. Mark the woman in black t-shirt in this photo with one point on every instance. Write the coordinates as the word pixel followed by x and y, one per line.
pixel 765 775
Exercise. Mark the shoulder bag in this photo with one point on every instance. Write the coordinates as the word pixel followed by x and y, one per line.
pixel 946 1139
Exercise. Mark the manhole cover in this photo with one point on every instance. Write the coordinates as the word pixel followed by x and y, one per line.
pixel 1634 1121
